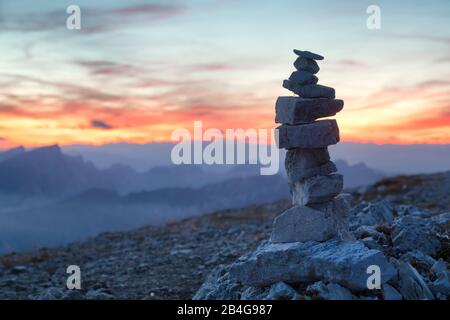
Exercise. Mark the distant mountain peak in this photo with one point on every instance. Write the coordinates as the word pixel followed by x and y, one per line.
pixel 8 154
pixel 358 174
pixel 48 171
pixel 15 150
pixel 53 149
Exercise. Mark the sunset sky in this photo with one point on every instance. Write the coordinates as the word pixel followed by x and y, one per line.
pixel 137 70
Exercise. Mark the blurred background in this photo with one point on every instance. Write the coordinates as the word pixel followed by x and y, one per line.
pixel 86 115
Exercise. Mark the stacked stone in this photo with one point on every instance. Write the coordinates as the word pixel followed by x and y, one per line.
pixel 301 249
pixel 320 210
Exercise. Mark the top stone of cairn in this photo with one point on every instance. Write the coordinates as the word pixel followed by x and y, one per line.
pixel 308 55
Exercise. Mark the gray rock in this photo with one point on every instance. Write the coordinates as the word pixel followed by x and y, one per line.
pixel 439 266
pixel 296 110
pixel 441 297
pixel 371 298
pixel 301 78
pixel 359 207
pixel 296 175
pixel 306 64
pixel 442 221
pixel 390 293
pixel 370 243
pixel 282 291
pixel 301 224
pixel 73 295
pixel 331 291
pixel 19 269
pixel 412 233
pixel 342 262
pixel 316 189
pixel 318 134
pixel 308 55
pixel 441 286
pixel 99 294
pixel 411 284
pixel 376 213
pixel 310 90
pixel 51 293
pixel 306 163
pixel 407 210
pixel 365 231
pixel 254 293
pixel 338 210
pixel 422 262
pixel 219 286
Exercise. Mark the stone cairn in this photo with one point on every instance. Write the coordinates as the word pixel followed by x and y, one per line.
pixel 320 211
pixel 310 242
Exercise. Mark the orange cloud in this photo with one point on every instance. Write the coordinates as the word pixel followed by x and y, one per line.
pixel 63 112
pixel 72 122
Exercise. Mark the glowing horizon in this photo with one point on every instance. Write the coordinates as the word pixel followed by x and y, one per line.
pixel 136 72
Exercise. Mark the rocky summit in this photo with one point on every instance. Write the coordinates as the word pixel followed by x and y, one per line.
pixel 288 267
pixel 193 257
pixel 311 241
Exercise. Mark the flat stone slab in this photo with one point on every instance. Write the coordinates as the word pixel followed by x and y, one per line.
pixel 302 224
pixel 316 189
pixel 305 64
pixel 308 54
pixel 318 134
pixel 310 90
pixel 300 78
pixel 342 262
pixel 306 163
pixel 295 110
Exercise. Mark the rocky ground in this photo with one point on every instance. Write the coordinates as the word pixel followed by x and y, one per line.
pixel 429 192
pixel 408 218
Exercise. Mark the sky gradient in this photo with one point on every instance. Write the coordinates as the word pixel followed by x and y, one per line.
pixel 137 70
